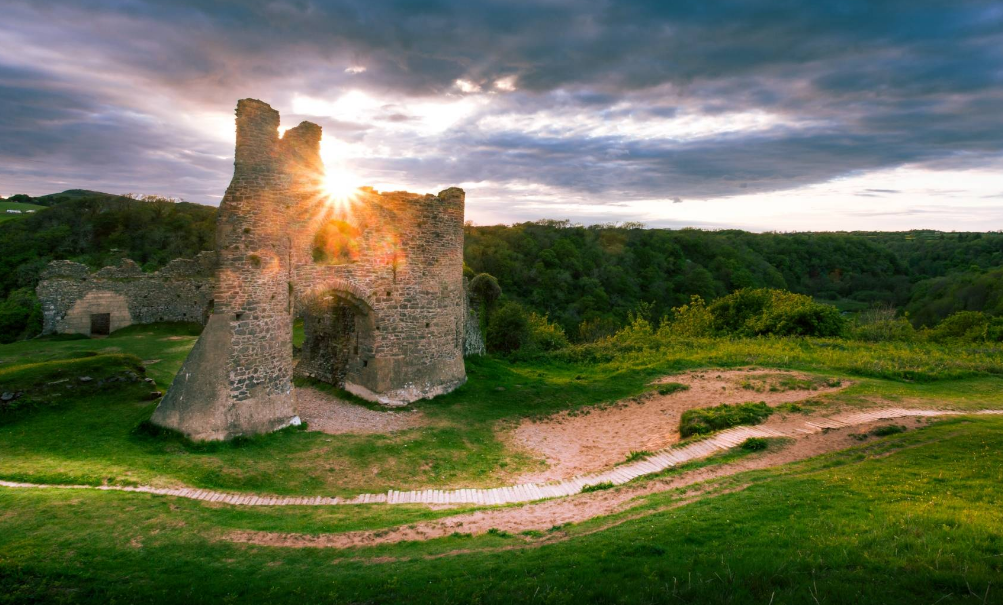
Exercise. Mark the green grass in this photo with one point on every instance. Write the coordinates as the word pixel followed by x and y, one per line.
pixel 597 487
pixel 701 421
pixel 635 455
pixel 669 388
pixel 57 383
pixel 755 444
pixel 5 205
pixel 91 438
pixel 906 517
pixel 912 518
pixel 779 383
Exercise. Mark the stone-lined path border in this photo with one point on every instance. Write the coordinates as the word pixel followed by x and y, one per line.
pixel 529 492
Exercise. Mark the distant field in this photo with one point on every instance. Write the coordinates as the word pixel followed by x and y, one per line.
pixel 5 205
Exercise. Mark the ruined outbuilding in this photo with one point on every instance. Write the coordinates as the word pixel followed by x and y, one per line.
pixel 77 301
pixel 378 279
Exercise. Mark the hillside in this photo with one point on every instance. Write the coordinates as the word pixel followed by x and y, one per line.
pixel 6 205
pixel 95 229
pixel 574 274
pixel 602 273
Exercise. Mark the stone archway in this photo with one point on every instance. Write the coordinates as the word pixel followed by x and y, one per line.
pixel 338 328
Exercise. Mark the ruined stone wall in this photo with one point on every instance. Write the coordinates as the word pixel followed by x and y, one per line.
pixel 404 278
pixel 70 294
pixel 378 279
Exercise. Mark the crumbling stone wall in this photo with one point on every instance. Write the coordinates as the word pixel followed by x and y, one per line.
pixel 377 278
pixel 403 279
pixel 70 294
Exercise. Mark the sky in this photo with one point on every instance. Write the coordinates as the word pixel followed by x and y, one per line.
pixel 767 115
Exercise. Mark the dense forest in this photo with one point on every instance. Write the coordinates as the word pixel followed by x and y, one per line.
pixel 583 278
pixel 578 274
pixel 96 229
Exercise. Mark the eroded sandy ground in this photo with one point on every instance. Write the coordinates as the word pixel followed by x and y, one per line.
pixel 543 515
pixel 328 414
pixel 586 441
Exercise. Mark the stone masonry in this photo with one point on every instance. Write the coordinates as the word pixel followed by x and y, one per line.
pixel 74 299
pixel 377 279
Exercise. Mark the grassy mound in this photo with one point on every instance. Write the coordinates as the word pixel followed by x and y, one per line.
pixel 707 420
pixel 50 383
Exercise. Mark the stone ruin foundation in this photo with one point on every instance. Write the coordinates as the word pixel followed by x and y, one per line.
pixel 77 301
pixel 378 280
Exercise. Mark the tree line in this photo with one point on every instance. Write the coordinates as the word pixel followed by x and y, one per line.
pixel 588 282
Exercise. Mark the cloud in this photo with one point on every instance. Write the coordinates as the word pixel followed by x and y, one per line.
pixel 597 100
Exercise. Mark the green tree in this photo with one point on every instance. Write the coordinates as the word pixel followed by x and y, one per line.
pixel 508 329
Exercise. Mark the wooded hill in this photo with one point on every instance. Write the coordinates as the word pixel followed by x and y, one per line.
pixel 571 273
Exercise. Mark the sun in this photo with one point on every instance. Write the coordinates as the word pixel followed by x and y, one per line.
pixel 339 186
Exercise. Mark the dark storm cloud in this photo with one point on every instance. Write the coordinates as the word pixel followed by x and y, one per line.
pixel 89 88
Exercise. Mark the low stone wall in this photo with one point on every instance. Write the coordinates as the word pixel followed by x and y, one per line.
pixel 73 298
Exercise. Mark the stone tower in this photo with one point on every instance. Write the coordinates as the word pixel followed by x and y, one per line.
pixel 377 280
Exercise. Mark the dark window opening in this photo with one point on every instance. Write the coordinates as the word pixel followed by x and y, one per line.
pixel 100 324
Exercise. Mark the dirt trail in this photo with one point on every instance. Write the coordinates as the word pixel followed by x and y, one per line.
pixel 328 414
pixel 584 441
pixel 541 516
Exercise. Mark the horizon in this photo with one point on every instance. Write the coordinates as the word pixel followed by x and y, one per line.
pixel 857 117
pixel 571 224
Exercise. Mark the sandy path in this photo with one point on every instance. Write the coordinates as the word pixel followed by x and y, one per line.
pixel 541 516
pixel 585 441
pixel 328 414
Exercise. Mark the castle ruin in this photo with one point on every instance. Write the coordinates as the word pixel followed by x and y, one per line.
pixel 77 301
pixel 378 280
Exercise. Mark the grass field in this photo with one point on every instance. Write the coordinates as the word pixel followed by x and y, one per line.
pixel 5 205
pixel 911 517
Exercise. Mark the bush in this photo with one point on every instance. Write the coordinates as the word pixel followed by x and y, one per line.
pixel 881 325
pixel 635 455
pixel 701 421
pixel 888 429
pixel 755 444
pixel 966 326
pixel 485 290
pixel 669 388
pixel 693 320
pixel 637 333
pixel 508 329
pixel 598 328
pixel 544 335
pixel 20 316
pixel 763 311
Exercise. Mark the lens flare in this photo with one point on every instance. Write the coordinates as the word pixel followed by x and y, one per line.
pixel 339 187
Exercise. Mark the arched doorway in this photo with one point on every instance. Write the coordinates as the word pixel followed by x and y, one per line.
pixel 338 336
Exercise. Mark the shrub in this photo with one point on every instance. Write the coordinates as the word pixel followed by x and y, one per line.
pixel 888 429
pixel 693 320
pixel 485 290
pixel 669 388
pixel 701 421
pixel 637 455
pixel 544 335
pixel 881 325
pixel 20 316
pixel 967 326
pixel 637 333
pixel 755 444
pixel 596 328
pixel 763 311
pixel 508 329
